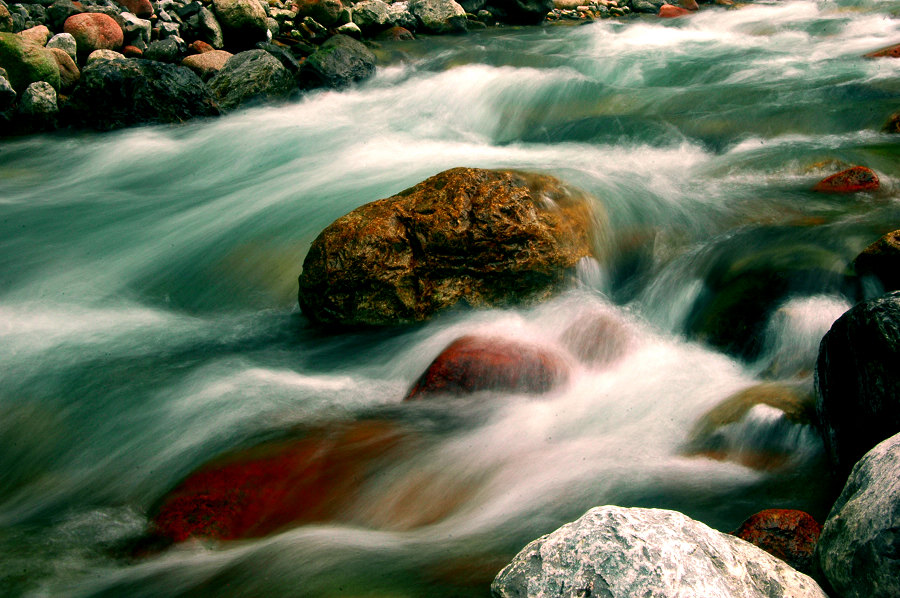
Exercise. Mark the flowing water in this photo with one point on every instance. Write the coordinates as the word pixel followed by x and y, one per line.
pixel 148 317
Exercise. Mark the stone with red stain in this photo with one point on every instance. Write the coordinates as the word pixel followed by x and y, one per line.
pixel 94 31
pixel 889 52
pixel 140 8
pixel 396 34
pixel 200 47
pixel 668 11
pixel 256 492
pixel 132 52
pixel 788 534
pixel 475 363
pixel 852 180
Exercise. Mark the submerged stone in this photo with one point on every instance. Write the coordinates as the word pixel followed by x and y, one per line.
pixel 888 52
pixel 881 260
pixel 479 237
pixel 852 180
pixel 474 363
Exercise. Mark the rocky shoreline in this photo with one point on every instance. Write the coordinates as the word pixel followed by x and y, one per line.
pixel 107 64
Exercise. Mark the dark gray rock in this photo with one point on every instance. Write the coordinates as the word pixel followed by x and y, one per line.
pixel 859 549
pixel 858 380
pixel 616 552
pixel 59 11
pixel 251 76
pixel 525 12
pixel 243 22
pixel 647 6
pixel 120 93
pixel 339 62
pixel 7 95
pixel 284 56
pixel 39 101
pixel 172 49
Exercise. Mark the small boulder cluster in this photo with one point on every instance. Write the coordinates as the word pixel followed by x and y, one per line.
pixel 581 10
pixel 107 64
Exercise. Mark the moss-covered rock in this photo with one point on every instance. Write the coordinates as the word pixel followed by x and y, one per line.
pixel 27 62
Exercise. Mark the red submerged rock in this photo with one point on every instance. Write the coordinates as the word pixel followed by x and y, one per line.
pixel 397 34
pixel 255 492
pixel 94 31
pixel 889 52
pixel 474 363
pixel 788 534
pixel 141 8
pixel 668 11
pixel 852 180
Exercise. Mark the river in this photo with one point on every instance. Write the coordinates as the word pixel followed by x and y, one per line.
pixel 149 319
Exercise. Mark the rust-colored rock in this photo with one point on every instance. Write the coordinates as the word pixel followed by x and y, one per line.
pixel 474 363
pixel 852 180
pixel 465 236
pixel 132 52
pixel 94 31
pixel 893 124
pixel 38 34
pixel 396 34
pixel 889 52
pixel 256 492
pixel 881 259
pixel 668 11
pixel 140 8
pixel 788 534
pixel 200 47
pixel 207 64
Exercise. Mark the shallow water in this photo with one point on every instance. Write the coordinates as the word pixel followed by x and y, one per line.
pixel 148 317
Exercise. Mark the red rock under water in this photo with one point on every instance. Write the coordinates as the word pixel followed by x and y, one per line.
pixel 789 534
pixel 668 11
pixel 852 180
pixel 473 363
pixel 264 489
pixel 889 52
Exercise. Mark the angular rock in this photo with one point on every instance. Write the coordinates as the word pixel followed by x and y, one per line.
pixel 668 11
pixel 524 12
pixel 61 10
pixel 243 22
pixel 621 553
pixel 68 70
pixel 788 534
pixel 888 52
pixel 339 62
pixel 857 550
pixel 479 237
pixel 440 16
pixel 38 34
pixel 27 62
pixel 251 76
pixel 103 55
pixel 94 31
pixel 64 42
pixel 284 56
pixel 400 16
pixel 206 28
pixel 852 180
pixel 135 29
pixel 326 12
pixel 140 8
pixel 881 260
pixel 262 490
pixel 206 65
pixel 476 363
pixel 171 49
pixel 7 95
pixel 350 30
pixel 371 15
pixel 131 91
pixel 39 101
pixel 857 380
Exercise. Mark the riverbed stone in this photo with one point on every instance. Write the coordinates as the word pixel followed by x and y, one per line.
pixel 397 34
pixel 476 363
pixel 131 91
pixel 7 94
pixel 326 12
pixel 6 20
pixel 788 534
pixel 466 236
pixel 893 124
pixel 251 76
pixel 857 380
pixel 135 29
pixel 98 55
pixel 39 34
pixel 400 16
pixel 139 8
pixel 439 16
pixel 39 101
pixel 68 70
pixel 881 260
pixel 339 62
pixel 857 550
pixel 619 552
pixel 892 51
pixel 206 65
pixel 243 22
pixel 371 16
pixel 523 12
pixel 27 62
pixel 851 180
pixel 64 42
pixel 172 49
pixel 262 490
pixel 59 11
pixel 94 31
pixel 669 11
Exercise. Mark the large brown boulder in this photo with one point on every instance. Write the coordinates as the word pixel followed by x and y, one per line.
pixel 789 534
pixel 881 259
pixel 474 363
pixel 94 31
pixel 471 236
